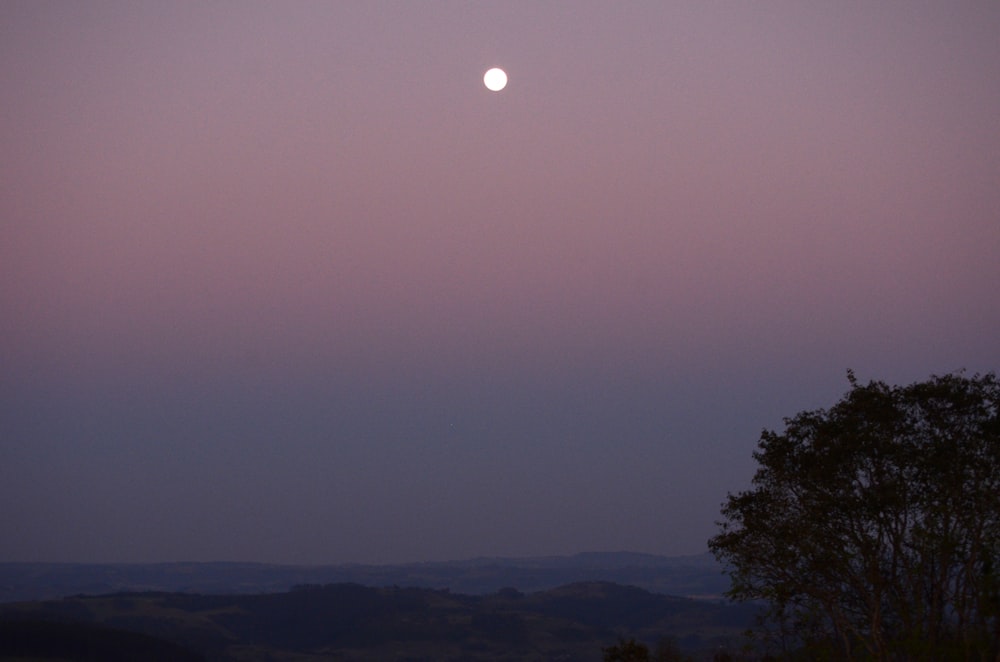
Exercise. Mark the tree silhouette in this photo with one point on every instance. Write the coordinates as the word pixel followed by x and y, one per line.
pixel 872 529
pixel 627 651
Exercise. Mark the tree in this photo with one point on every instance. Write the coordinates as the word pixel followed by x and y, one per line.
pixel 627 651
pixel 632 651
pixel 872 529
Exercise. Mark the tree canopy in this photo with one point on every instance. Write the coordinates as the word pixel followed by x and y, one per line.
pixel 872 529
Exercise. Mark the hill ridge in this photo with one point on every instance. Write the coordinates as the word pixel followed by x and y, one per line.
pixel 356 622
pixel 692 575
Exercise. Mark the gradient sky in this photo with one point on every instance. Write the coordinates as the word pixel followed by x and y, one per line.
pixel 284 282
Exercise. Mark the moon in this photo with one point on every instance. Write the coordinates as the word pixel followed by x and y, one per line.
pixel 495 79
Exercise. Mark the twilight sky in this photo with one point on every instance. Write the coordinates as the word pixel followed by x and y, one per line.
pixel 284 282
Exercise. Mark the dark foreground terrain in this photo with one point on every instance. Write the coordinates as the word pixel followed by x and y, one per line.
pixel 355 622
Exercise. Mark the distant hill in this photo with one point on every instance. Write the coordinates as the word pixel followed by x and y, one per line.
pixel 360 623
pixel 699 575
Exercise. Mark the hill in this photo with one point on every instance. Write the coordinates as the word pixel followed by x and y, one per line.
pixel 360 623
pixel 697 575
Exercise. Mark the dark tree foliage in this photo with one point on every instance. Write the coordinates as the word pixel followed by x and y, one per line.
pixel 630 650
pixel 872 529
pixel 627 651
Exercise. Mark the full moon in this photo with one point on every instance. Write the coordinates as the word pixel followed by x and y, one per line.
pixel 495 79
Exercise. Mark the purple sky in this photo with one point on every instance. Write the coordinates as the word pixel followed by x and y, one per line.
pixel 284 282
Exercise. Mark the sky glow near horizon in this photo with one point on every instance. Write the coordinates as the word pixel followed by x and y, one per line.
pixel 284 282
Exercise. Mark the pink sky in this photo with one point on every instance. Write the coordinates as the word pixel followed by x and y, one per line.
pixel 212 213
